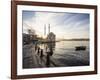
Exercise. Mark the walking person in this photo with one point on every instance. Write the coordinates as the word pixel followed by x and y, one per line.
pixel 41 54
pixel 48 60
pixel 38 52
pixel 35 47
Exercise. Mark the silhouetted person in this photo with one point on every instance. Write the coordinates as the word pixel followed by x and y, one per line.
pixel 35 47
pixel 48 60
pixel 51 51
pixel 41 54
pixel 38 50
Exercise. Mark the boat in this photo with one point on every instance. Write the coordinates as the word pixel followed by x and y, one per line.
pixel 78 48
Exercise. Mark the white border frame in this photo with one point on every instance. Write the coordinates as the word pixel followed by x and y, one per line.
pixel 21 71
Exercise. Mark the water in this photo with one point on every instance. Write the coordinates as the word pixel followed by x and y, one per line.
pixel 65 47
pixel 64 53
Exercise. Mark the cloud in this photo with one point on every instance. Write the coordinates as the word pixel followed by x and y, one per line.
pixel 62 24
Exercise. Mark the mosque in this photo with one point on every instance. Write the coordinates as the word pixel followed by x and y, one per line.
pixel 51 37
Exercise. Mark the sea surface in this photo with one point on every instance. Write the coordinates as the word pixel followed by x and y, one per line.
pixel 64 53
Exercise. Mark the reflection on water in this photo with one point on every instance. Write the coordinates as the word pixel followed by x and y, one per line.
pixel 48 48
pixel 63 46
pixel 55 54
pixel 64 52
pixel 69 46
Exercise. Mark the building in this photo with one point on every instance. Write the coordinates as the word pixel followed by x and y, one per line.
pixel 26 38
pixel 51 37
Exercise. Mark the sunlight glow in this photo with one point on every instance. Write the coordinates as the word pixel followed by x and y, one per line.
pixel 64 25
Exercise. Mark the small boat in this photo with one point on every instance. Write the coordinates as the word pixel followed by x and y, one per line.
pixel 78 48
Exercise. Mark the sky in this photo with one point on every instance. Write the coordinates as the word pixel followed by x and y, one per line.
pixel 62 24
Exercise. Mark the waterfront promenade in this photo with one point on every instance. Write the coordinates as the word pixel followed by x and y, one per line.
pixel 33 59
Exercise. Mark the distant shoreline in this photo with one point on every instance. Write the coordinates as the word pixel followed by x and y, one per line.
pixel 74 40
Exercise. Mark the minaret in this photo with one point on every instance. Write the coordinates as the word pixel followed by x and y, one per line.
pixel 44 29
pixel 49 28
